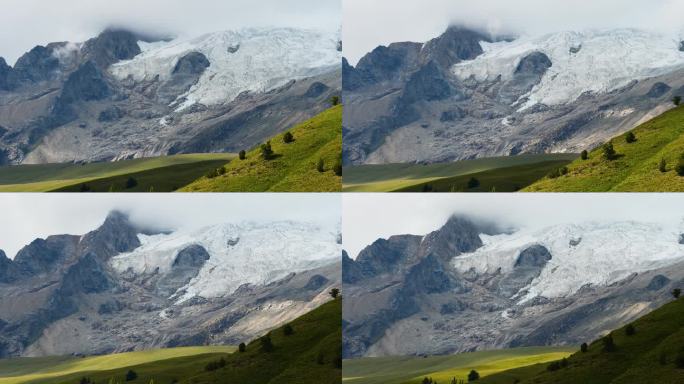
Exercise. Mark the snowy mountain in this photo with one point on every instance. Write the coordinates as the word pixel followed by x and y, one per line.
pixel 247 253
pixel 596 254
pixel 248 60
pixel 465 287
pixel 123 95
pixel 590 61
pixel 123 288
pixel 465 94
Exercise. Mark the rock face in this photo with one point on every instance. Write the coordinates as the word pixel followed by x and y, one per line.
pixel 112 46
pixel 396 277
pixel 62 296
pixel 105 99
pixel 450 99
pixel 450 291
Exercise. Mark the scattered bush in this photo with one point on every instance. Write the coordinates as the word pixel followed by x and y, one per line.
pixel 131 183
pixel 679 361
pixel 288 330
pixel 473 376
pixel 427 188
pixel 676 293
pixel 608 343
pixel 679 168
pixel 677 100
pixel 662 166
pixel 320 358
pixel 242 347
pixel 288 138
pixel 608 151
pixel 630 138
pixel 662 359
pixel 584 155
pixel 335 100
pixel 321 165
pixel 584 347
pixel 630 330
pixel 215 365
pixel 335 292
pixel 84 188
pixel 563 171
pixel 266 151
pixel 131 375
pixel 242 155
pixel 473 183
pixel 266 343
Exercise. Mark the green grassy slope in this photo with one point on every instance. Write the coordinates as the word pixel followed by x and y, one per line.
pixel 59 369
pixel 648 356
pixel 411 369
pixel 310 355
pixel 294 167
pixel 50 177
pixel 636 168
pixel 501 173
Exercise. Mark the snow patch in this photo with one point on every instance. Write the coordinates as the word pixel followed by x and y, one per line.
pixel 263 254
pixel 607 60
pixel 266 59
pixel 607 253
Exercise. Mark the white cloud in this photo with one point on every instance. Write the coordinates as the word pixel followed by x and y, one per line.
pixel 25 217
pixel 26 23
pixel 368 217
pixel 368 24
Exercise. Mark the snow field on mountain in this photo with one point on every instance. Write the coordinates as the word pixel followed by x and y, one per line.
pixel 255 60
pixel 602 61
pixel 603 253
pixel 239 254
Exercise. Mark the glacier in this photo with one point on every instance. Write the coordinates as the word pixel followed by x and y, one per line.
pixel 241 61
pixel 591 253
pixel 597 61
pixel 242 253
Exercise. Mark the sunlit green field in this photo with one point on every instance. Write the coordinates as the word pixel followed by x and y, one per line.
pixel 400 370
pixel 27 370
pixel 52 177
pixel 636 168
pixel 504 172
pixel 294 165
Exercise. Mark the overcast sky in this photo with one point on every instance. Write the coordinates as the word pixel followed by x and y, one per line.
pixel 368 217
pixel 368 24
pixel 26 217
pixel 26 23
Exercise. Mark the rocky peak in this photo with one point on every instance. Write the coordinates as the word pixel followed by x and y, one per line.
pixel 5 75
pixel 384 61
pixel 456 236
pixel 384 256
pixel 39 64
pixel 111 46
pixel 453 46
pixel 8 270
pixel 42 255
pixel 116 235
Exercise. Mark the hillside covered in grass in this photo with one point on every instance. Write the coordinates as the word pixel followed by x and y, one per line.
pixel 308 350
pixel 645 160
pixel 310 162
pixel 649 350
pixel 442 369
pixel 502 174
pixel 160 174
